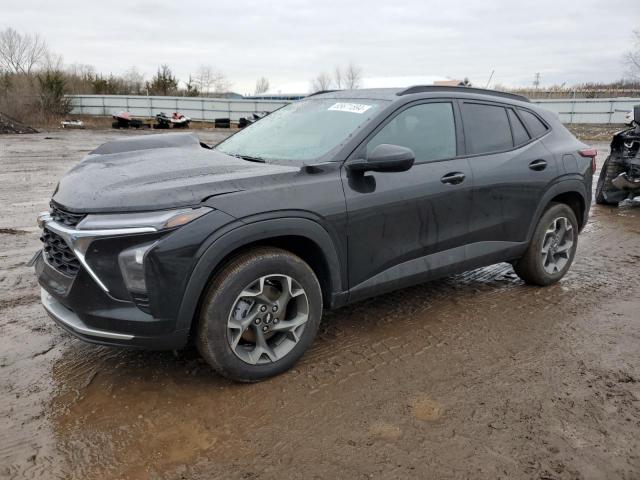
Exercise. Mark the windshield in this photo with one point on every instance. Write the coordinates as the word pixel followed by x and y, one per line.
pixel 303 130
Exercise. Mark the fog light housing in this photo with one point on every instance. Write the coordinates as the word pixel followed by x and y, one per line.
pixel 131 263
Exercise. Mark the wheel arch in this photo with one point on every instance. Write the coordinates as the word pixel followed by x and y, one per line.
pixel 575 201
pixel 571 192
pixel 301 236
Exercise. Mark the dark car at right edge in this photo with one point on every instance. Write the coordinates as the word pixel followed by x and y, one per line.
pixel 156 240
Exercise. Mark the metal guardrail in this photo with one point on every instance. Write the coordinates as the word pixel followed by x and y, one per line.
pixel 579 110
pixel 590 110
pixel 198 108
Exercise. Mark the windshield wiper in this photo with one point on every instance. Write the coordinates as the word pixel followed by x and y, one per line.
pixel 251 159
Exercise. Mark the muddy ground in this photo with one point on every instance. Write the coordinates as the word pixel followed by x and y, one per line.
pixel 475 376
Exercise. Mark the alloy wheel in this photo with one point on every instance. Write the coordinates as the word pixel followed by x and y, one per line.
pixel 267 319
pixel 557 245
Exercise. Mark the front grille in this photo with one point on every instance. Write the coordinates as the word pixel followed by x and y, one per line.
pixel 66 218
pixel 58 254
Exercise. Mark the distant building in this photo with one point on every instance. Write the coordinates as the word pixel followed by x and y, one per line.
pixel 449 83
pixel 232 95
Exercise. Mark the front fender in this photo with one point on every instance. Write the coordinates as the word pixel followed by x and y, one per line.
pixel 239 234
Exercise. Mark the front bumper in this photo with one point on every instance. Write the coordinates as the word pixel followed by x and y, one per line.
pixel 95 305
pixel 91 306
pixel 73 323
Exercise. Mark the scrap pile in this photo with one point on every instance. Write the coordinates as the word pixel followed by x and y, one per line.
pixel 177 120
pixel 245 121
pixel 163 121
pixel 72 124
pixel 125 120
pixel 11 125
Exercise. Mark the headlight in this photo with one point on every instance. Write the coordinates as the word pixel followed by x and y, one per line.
pixel 158 220
pixel 131 263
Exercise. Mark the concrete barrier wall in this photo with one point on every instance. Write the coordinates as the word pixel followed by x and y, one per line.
pixel 580 110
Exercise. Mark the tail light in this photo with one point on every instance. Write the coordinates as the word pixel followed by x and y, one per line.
pixel 590 153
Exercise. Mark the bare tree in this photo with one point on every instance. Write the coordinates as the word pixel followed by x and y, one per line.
pixel 632 57
pixel 192 89
pixel 262 86
pixel 21 53
pixel 82 71
pixel 80 78
pixel 203 79
pixel 134 81
pixel 337 77
pixel 207 80
pixel 352 76
pixel 220 82
pixel 52 62
pixel 321 82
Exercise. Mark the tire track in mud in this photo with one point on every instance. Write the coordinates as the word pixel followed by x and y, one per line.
pixel 30 343
pixel 347 357
pixel 491 290
pixel 490 355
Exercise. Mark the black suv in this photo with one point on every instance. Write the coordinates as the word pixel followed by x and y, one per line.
pixel 156 239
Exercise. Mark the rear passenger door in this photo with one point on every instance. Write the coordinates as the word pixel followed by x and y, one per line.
pixel 511 170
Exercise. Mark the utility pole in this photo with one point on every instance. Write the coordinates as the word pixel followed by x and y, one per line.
pixel 490 77
pixel 536 80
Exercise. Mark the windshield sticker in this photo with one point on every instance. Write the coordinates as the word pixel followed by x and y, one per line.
pixel 350 107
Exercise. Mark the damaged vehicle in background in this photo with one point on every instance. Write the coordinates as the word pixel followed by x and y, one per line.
pixel 619 179
pixel 153 241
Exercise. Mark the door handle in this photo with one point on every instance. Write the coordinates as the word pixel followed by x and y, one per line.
pixel 453 178
pixel 538 165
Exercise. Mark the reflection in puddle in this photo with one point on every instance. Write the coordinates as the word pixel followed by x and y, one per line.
pixel 135 413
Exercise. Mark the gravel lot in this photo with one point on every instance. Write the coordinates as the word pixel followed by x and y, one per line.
pixel 475 376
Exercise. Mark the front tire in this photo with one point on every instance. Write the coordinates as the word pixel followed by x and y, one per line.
pixel 259 315
pixel 552 248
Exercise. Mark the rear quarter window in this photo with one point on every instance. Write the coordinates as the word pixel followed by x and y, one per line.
pixel 486 128
pixel 520 135
pixel 535 126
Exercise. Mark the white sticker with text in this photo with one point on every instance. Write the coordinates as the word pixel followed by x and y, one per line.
pixel 350 107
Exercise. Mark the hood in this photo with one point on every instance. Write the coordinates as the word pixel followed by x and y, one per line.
pixel 157 172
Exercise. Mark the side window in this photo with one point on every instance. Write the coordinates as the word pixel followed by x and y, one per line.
pixel 520 135
pixel 486 128
pixel 533 123
pixel 427 129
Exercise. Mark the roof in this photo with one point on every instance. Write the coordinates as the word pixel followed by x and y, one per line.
pixel 371 93
pixel 394 93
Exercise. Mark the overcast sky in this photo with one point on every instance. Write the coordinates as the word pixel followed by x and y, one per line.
pixel 291 41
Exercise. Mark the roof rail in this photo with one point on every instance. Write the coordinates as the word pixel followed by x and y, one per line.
pixel 320 92
pixel 446 88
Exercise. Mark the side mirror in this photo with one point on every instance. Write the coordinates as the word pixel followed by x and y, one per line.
pixel 385 158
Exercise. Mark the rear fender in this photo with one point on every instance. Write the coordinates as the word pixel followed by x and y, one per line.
pixel 569 185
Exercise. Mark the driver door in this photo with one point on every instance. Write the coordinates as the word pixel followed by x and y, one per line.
pixel 404 227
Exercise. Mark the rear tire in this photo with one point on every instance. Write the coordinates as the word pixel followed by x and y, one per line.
pixel 608 172
pixel 259 314
pixel 539 268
